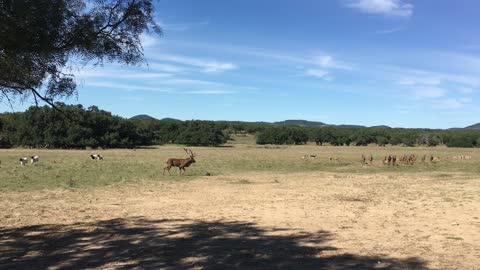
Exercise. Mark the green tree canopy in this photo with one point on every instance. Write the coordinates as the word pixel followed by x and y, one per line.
pixel 41 39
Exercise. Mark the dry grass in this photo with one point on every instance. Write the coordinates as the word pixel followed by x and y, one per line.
pixel 74 168
pixel 261 208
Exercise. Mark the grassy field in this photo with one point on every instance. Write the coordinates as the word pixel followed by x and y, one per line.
pixel 262 207
pixel 74 168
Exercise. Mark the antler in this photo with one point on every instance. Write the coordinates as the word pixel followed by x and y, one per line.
pixel 189 152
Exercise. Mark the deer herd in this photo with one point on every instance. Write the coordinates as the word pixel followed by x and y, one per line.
pixel 393 160
pixel 182 163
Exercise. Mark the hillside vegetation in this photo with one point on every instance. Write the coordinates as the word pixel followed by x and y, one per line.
pixel 78 127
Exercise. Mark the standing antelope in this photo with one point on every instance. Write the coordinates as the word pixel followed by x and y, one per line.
pixel 23 161
pixel 34 159
pixel 181 163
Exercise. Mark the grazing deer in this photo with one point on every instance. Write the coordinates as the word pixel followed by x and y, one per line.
pixel 412 159
pixel 309 157
pixel 181 163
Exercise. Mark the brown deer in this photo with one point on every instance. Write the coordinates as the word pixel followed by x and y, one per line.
pixel 181 163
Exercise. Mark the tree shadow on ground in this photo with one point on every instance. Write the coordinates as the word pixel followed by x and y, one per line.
pixel 140 243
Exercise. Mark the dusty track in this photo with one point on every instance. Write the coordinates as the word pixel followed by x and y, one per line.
pixel 264 220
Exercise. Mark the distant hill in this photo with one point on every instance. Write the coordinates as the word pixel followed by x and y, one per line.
pixel 258 122
pixel 475 126
pixel 148 117
pixel 143 117
pixel 348 126
pixel 303 123
pixel 291 122
pixel 170 119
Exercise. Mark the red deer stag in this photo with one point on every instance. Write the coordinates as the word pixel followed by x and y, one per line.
pixel 181 163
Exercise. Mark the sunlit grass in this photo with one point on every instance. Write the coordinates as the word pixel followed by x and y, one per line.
pixel 75 168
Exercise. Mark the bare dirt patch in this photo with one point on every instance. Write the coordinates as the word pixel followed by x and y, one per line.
pixel 260 220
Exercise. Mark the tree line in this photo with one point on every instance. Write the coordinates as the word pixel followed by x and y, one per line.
pixel 73 126
pixel 362 136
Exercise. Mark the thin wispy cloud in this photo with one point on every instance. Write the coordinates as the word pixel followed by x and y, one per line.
pixel 210 92
pixel 145 75
pixel 414 77
pixel 136 99
pixel 466 61
pixel 327 61
pixel 442 91
pixel 416 80
pixel 323 60
pixel 148 40
pixel 180 26
pixel 120 74
pixel 389 31
pixel 126 87
pixel 210 66
pixel 322 66
pixel 395 8
pixel 166 67
pixel 129 87
pixel 319 73
pixel 136 79
pixel 465 90
pixel 218 67
pixel 430 92
pixel 185 81
pixel 451 103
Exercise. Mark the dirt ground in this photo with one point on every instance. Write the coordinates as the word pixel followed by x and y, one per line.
pixel 310 220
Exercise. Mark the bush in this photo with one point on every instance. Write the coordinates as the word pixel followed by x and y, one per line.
pixel 201 133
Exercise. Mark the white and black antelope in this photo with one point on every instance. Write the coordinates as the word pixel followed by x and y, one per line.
pixel 97 157
pixel 181 163
pixel 34 159
pixel 23 161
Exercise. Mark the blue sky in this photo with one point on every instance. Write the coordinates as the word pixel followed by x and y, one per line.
pixel 400 63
